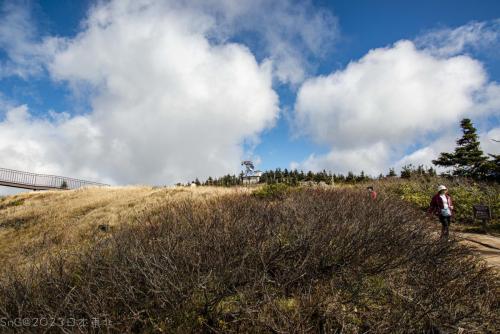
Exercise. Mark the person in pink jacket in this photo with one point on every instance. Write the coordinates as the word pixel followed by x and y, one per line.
pixel 442 206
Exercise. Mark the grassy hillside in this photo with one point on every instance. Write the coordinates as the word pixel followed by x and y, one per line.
pixel 225 260
pixel 35 224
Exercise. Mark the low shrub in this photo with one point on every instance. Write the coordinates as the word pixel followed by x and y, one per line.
pixel 325 261
pixel 464 192
pixel 275 190
pixel 7 204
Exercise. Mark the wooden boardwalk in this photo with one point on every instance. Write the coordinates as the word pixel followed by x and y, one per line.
pixel 25 180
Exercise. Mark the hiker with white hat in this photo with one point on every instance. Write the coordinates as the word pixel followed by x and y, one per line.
pixel 441 205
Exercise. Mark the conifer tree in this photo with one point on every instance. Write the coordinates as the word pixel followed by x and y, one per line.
pixel 431 171
pixel 468 158
pixel 406 171
pixel 392 172
pixel 350 177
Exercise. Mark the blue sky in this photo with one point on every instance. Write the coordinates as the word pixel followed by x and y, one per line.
pixel 367 25
pixel 308 85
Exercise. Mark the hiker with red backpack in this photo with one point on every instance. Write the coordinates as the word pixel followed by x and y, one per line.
pixel 442 206
pixel 373 193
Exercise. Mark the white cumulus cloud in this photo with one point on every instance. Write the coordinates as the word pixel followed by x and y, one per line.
pixel 167 103
pixel 370 159
pixel 391 100
pixel 173 88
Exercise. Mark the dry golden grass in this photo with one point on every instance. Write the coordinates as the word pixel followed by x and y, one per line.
pixel 35 224
pixel 201 260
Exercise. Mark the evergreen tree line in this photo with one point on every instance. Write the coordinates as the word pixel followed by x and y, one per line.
pixel 296 177
pixel 468 160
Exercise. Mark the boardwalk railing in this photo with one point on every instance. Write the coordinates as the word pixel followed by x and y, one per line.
pixel 33 181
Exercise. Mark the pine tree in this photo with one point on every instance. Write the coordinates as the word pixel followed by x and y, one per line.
pixel 362 177
pixel 468 158
pixel 350 177
pixel 406 171
pixel 391 172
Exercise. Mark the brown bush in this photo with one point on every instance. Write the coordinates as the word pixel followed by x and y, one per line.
pixel 315 260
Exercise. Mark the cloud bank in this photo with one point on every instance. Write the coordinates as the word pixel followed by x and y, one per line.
pixel 396 105
pixel 173 95
pixel 167 105
pixel 177 90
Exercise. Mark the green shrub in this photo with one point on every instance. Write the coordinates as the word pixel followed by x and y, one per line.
pixel 465 193
pixel 15 202
pixel 276 190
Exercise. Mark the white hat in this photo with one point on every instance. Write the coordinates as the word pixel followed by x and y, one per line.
pixel 441 187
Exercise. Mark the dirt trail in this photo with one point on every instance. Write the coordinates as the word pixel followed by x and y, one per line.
pixel 486 245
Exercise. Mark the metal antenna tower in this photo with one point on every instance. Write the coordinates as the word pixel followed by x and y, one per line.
pixel 249 167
